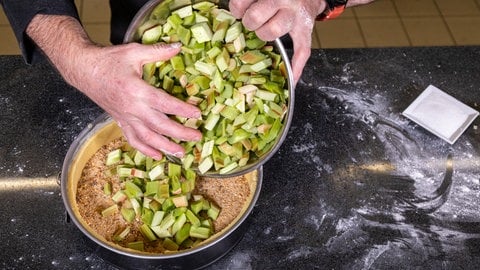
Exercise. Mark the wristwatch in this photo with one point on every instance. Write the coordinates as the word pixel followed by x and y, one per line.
pixel 334 9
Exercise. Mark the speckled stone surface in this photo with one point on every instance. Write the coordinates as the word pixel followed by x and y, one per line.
pixel 354 186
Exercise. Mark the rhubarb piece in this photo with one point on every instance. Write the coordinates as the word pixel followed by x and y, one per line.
pixel 157 218
pixel 147 233
pixel 169 244
pixel 137 245
pixel 128 214
pixel 183 233
pixel 111 210
pixel 202 32
pixel 199 232
pixel 107 188
pixel 114 157
pixel 122 234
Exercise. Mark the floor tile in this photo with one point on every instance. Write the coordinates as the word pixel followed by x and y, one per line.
pixel 96 11
pixel 341 33
pixel 79 4
pixel 348 13
pixel 315 41
pixel 99 32
pixel 428 32
pixel 465 30
pixel 8 44
pixel 383 32
pixel 458 8
pixel 3 17
pixel 416 7
pixel 379 8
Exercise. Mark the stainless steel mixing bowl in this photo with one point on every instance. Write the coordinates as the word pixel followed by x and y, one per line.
pixel 132 35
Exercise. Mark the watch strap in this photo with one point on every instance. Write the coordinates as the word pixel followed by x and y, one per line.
pixel 333 9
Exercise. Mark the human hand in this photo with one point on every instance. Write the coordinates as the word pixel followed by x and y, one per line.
pixel 271 19
pixel 111 77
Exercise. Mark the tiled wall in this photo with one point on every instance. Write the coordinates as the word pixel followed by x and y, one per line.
pixel 384 23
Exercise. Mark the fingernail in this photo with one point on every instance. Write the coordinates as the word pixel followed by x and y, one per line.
pixel 176 45
pixel 178 154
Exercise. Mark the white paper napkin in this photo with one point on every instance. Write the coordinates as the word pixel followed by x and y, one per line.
pixel 441 114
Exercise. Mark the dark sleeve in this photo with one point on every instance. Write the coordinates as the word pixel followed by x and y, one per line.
pixel 123 12
pixel 21 12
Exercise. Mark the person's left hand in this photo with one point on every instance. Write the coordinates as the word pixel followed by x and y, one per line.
pixel 271 19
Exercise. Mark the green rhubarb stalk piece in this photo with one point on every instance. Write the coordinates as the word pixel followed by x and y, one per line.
pixel 178 224
pixel 196 206
pixel 160 232
pixel 168 205
pixel 199 232
pixel 180 201
pixel 136 206
pixel 152 35
pixel 114 157
pixel 137 245
pixel 147 233
pixel 205 165
pixel 203 6
pixel 111 210
pixel 157 218
pixel 174 170
pixel 119 196
pixel 183 233
pixel 175 185
pixel 163 191
pixel 128 214
pixel 167 221
pixel 132 190
pixel 107 188
pixel 157 172
pixel 169 244
pixel 191 216
pixel 184 11
pixel 202 32
pixel 213 211
pixel 147 216
pixel 139 158
pixel 151 188
pixel 233 31
pixel 228 168
pixel 122 234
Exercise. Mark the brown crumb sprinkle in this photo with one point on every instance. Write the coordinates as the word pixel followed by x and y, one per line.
pixel 230 194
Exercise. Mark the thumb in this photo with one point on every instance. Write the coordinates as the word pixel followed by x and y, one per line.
pixel 158 52
pixel 301 53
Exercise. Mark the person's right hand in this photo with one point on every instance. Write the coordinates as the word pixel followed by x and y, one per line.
pixel 271 19
pixel 112 77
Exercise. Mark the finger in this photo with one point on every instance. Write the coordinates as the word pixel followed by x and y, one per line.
pixel 139 145
pixel 161 124
pixel 157 52
pixel 280 24
pixel 301 52
pixel 238 7
pixel 152 142
pixel 258 14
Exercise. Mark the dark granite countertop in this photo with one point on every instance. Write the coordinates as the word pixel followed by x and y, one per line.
pixel 355 185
